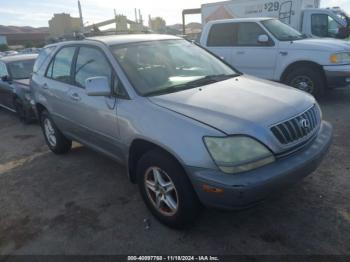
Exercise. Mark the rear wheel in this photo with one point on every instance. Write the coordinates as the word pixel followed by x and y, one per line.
pixel 308 79
pixel 55 140
pixel 166 190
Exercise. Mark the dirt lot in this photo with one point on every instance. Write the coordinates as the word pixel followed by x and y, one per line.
pixel 83 203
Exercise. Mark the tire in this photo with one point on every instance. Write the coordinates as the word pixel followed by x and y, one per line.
pixel 308 79
pixel 21 112
pixel 55 140
pixel 184 199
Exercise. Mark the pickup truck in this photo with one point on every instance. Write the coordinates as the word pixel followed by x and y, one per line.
pixel 305 16
pixel 15 94
pixel 270 49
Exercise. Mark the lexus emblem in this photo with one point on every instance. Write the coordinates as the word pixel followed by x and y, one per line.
pixel 304 123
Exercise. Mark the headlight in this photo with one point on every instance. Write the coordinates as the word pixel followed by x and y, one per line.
pixel 340 58
pixel 238 153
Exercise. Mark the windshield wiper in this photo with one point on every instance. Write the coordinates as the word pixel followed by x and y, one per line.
pixel 295 38
pixel 210 79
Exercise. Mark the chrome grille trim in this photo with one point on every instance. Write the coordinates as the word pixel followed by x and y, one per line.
pixel 291 131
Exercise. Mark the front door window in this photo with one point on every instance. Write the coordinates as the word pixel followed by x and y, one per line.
pixel 324 26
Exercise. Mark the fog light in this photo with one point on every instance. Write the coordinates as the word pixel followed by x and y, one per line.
pixel 210 189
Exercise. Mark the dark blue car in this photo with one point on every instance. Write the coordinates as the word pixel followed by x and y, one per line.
pixel 15 95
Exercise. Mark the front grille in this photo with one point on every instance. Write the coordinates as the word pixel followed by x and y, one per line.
pixel 298 128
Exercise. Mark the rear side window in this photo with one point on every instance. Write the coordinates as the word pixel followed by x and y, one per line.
pixel 222 35
pixel 91 63
pixel 60 67
pixel 42 58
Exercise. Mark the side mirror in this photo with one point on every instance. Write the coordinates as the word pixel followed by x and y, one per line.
pixel 98 86
pixel 263 39
pixel 343 33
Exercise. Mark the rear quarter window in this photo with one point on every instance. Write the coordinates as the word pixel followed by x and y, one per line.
pixel 44 54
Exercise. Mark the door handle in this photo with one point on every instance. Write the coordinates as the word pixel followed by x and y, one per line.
pixel 75 97
pixel 45 86
pixel 240 52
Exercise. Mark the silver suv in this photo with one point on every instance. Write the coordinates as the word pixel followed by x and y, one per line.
pixel 190 129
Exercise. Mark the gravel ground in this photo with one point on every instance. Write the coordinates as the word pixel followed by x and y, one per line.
pixel 83 203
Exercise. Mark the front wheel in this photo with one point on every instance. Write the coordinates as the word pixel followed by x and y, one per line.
pixel 55 140
pixel 166 190
pixel 307 79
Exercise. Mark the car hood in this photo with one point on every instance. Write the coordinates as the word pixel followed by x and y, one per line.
pixel 319 44
pixel 241 105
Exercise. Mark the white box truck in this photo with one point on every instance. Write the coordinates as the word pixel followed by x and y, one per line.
pixel 305 16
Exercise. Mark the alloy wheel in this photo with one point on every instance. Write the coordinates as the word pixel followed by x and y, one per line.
pixel 50 132
pixel 161 191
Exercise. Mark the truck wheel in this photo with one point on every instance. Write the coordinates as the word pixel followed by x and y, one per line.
pixel 55 140
pixel 21 112
pixel 307 79
pixel 166 190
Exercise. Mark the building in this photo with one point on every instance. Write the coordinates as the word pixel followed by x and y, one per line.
pixel 157 24
pixel 63 25
pixel 3 40
pixel 121 23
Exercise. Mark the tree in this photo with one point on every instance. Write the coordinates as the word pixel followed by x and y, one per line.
pixel 4 47
pixel 28 45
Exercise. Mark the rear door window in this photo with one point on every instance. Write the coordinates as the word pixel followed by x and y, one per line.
pixel 222 35
pixel 60 66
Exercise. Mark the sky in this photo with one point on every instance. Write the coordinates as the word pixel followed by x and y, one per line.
pixel 36 13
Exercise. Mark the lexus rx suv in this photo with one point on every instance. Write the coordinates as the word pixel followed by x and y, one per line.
pixel 191 129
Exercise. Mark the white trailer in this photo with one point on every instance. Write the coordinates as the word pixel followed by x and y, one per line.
pixel 305 16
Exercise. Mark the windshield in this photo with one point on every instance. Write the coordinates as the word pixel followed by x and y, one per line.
pixel 282 31
pixel 344 17
pixel 161 67
pixel 21 69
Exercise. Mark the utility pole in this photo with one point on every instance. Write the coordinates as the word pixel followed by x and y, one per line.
pixel 116 21
pixel 136 16
pixel 81 18
pixel 140 18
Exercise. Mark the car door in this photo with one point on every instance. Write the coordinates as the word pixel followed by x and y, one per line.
pixel 249 55
pixel 56 86
pixel 96 116
pixel 6 88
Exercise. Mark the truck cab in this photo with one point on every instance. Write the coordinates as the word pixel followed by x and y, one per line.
pixel 333 23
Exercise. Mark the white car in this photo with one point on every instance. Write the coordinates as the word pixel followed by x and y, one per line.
pixel 270 49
